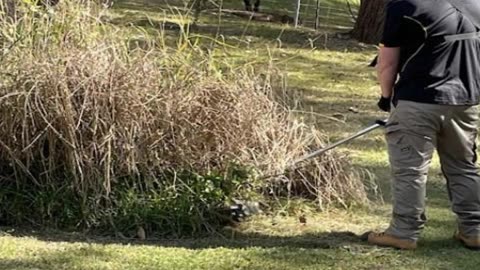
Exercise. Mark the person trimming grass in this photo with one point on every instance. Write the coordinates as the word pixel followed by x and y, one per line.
pixel 433 47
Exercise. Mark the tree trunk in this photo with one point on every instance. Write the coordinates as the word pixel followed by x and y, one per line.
pixel 369 25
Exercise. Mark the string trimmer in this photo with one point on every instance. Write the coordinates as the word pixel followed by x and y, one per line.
pixel 295 164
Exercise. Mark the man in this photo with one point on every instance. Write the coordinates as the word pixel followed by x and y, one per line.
pixel 429 69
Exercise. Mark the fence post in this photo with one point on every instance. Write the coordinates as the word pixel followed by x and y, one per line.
pixel 317 15
pixel 297 14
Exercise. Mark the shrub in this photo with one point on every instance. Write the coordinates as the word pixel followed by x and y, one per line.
pixel 98 133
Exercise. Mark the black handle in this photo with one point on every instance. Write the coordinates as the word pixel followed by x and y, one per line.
pixel 382 123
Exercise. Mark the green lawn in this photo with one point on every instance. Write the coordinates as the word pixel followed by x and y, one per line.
pixel 329 75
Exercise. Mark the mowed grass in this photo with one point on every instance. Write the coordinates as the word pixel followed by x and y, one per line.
pixel 328 74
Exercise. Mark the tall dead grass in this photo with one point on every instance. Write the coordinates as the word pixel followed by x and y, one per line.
pixel 83 110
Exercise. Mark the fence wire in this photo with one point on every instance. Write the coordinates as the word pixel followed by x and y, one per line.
pixel 325 14
pixel 338 14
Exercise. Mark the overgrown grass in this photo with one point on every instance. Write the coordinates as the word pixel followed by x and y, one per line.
pixel 102 130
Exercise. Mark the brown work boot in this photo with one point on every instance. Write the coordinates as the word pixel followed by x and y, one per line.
pixel 468 242
pixel 387 240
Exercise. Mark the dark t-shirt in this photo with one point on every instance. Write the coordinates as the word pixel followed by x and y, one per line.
pixel 435 69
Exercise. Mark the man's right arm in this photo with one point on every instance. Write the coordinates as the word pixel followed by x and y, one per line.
pixel 389 54
pixel 387 69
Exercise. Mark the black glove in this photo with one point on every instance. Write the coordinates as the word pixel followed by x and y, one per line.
pixel 374 62
pixel 384 104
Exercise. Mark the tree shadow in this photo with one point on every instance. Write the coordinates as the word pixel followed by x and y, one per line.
pixel 331 16
pixel 244 34
pixel 281 249
pixel 333 36
pixel 227 238
pixel 268 249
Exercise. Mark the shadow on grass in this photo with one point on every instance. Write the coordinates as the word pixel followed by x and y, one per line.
pixel 244 33
pixel 227 239
pixel 231 238
pixel 313 249
pixel 332 15
pixel 149 15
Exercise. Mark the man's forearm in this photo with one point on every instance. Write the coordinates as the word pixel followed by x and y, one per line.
pixel 387 78
pixel 387 69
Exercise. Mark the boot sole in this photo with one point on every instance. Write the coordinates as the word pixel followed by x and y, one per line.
pixel 365 238
pixel 470 247
pixel 467 246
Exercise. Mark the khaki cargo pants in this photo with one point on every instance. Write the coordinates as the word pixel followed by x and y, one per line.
pixel 413 131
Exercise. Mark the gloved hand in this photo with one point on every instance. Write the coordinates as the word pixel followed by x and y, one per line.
pixel 384 104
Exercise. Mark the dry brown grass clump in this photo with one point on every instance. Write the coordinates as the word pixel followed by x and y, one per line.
pixel 82 109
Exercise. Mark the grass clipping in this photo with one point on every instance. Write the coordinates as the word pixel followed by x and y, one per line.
pixel 83 109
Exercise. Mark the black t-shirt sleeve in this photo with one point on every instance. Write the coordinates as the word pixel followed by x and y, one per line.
pixel 394 33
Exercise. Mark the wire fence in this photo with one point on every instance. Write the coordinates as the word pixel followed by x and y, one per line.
pixel 337 14
pixel 315 14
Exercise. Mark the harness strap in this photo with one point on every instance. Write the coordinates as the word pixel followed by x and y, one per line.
pixel 466 36
pixel 453 38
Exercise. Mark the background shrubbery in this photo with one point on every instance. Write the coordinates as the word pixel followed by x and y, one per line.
pixel 98 132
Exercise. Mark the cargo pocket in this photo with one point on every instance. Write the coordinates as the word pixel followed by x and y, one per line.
pixel 407 149
pixel 399 146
